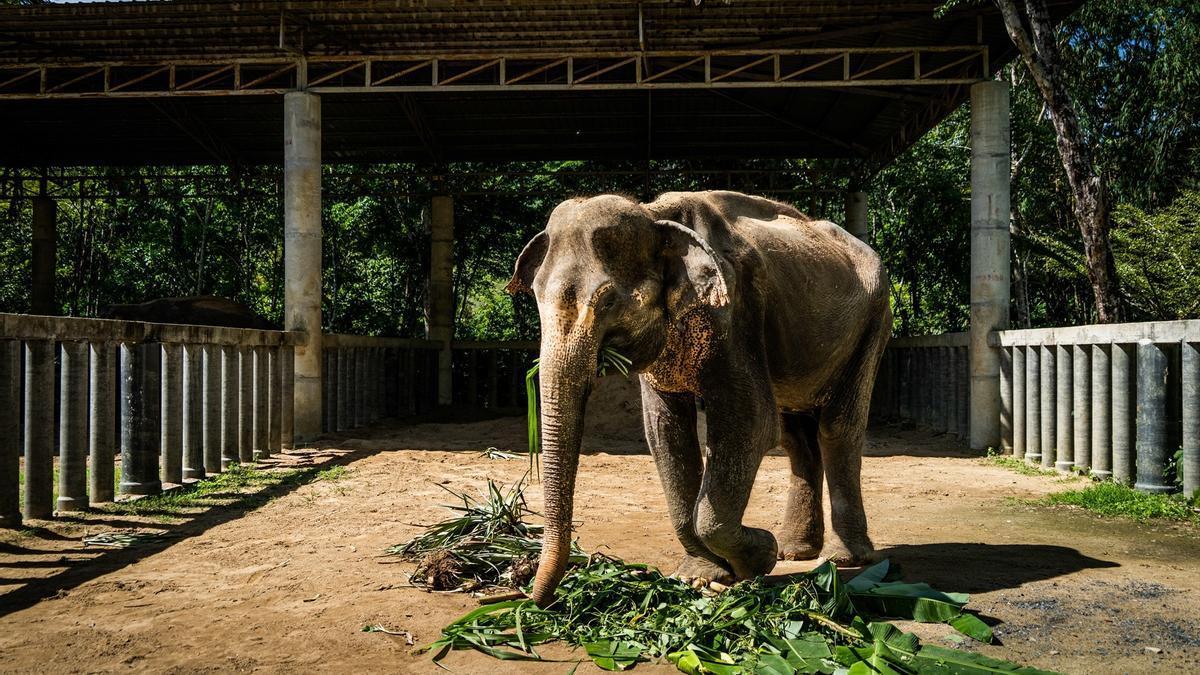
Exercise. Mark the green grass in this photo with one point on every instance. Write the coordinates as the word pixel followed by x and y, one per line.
pixel 221 488
pixel 333 473
pixel 1116 500
pixel 1019 465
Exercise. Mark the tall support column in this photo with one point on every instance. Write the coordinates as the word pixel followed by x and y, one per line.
pixel 302 253
pixel 856 215
pixel 990 168
pixel 141 366
pixel 1190 436
pixel 72 427
pixel 45 246
pixel 439 314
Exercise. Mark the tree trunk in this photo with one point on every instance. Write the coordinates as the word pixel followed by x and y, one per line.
pixel 1090 205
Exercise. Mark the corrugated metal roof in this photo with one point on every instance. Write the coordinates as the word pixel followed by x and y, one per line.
pixel 478 125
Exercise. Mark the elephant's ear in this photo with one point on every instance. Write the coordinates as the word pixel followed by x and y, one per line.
pixel 692 276
pixel 528 263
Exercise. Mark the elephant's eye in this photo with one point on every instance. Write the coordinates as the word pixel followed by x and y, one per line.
pixel 608 302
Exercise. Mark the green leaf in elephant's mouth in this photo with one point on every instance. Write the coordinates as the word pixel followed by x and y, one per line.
pixel 608 358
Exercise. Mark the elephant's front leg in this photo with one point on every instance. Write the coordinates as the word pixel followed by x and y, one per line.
pixel 670 424
pixel 742 426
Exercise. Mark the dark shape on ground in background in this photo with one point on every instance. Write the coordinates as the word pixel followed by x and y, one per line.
pixel 200 310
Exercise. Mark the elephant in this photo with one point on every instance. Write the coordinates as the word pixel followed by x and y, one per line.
pixel 200 310
pixel 775 321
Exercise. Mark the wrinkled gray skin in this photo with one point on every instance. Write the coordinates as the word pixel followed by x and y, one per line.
pixel 199 310
pixel 776 321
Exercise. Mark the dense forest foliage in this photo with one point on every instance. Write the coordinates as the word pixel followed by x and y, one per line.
pixel 128 235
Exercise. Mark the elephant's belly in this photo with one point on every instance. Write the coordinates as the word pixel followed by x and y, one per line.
pixel 801 394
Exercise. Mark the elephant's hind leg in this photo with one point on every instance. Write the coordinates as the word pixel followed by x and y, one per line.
pixel 802 533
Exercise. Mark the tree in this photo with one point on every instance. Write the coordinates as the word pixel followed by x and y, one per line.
pixel 1033 34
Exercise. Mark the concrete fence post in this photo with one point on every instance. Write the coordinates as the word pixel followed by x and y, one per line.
pixel 990 264
pixel 262 400
pixel 39 428
pixel 1064 390
pixel 211 402
pixel 1123 376
pixel 345 368
pixel 1006 401
pixel 246 405
pixel 287 423
pixel 329 396
pixel 1101 455
pixel 72 427
pixel 275 407
pixel 1081 373
pixel 1190 404
pixel 231 384
pixel 963 363
pixel 1033 404
pixel 1049 398
pixel 193 412
pixel 10 433
pixel 1018 402
pixel 102 409
pixel 302 253
pixel 171 407
pixel 141 365
pixel 1152 437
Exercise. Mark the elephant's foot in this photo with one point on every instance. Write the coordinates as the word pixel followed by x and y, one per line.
pixel 755 555
pixel 798 549
pixel 693 569
pixel 848 556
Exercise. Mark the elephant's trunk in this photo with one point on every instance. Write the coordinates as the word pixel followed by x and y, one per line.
pixel 568 364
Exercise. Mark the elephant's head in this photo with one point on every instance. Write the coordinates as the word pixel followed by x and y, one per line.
pixel 604 273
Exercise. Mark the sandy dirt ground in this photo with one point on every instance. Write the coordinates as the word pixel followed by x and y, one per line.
pixel 286 582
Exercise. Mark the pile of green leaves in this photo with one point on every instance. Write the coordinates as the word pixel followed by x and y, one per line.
pixel 623 613
pixel 609 359
pixel 487 543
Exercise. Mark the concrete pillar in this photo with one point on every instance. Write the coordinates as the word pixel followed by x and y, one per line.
pixel 10 433
pixel 345 368
pixel 211 401
pixel 72 427
pixel 1064 389
pixel 102 436
pixel 1152 437
pixel 302 253
pixel 1190 437
pixel 1018 402
pixel 1033 404
pixel 329 395
pixel 171 420
pixel 45 257
pixel 262 399
pixel 1123 372
pixel 287 423
pixel 140 368
pixel 1006 401
pixel 275 408
pixel 245 405
pixel 990 269
pixel 439 311
pixel 231 376
pixel 963 361
pixel 1081 372
pixel 1049 419
pixel 857 223
pixel 1101 455
pixel 193 413
pixel 39 428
